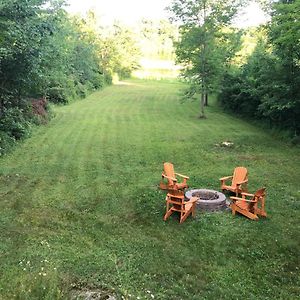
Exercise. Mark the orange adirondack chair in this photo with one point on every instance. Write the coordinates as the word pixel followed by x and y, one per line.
pixel 238 183
pixel 175 203
pixel 172 182
pixel 252 207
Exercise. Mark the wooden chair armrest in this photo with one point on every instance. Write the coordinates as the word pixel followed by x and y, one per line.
pixel 193 199
pixel 247 194
pixel 225 178
pixel 175 196
pixel 168 177
pixel 241 182
pixel 241 199
pixel 183 176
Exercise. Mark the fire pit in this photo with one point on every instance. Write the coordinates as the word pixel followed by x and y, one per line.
pixel 209 200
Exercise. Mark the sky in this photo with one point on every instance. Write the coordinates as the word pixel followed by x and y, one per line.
pixel 131 11
pixel 127 11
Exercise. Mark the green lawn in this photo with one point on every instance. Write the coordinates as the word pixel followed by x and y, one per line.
pixel 80 207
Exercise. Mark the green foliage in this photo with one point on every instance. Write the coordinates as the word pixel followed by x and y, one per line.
pixel 14 123
pixel 57 95
pixel 6 142
pixel 267 86
pixel 241 89
pixel 206 44
pixel 119 51
pixel 72 66
pixel 46 53
pixel 156 39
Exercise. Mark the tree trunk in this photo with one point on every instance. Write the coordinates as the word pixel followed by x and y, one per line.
pixel 202 102
pixel 206 99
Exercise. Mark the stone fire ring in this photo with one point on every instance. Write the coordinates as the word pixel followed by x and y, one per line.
pixel 208 205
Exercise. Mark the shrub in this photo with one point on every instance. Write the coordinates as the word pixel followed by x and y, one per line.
pixel 97 80
pixel 6 142
pixel 108 79
pixel 57 95
pixel 14 123
pixel 124 73
pixel 81 90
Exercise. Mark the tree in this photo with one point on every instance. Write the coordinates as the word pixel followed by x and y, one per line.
pixel 26 30
pixel 284 36
pixel 206 45
pixel 26 27
pixel 156 39
pixel 267 85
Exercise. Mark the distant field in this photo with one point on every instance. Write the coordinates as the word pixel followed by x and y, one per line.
pixel 157 69
pixel 80 208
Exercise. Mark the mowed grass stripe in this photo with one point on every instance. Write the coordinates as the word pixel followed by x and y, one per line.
pixel 87 185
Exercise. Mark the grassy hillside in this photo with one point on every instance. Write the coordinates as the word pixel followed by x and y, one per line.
pixel 80 207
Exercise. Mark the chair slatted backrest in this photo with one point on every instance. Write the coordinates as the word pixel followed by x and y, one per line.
pixel 239 174
pixel 179 204
pixel 260 193
pixel 169 171
pixel 177 198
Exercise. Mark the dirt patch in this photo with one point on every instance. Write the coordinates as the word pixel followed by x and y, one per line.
pixel 39 107
pixel 225 144
pixel 95 294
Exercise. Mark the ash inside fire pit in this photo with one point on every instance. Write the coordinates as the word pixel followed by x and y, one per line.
pixel 209 200
pixel 205 195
